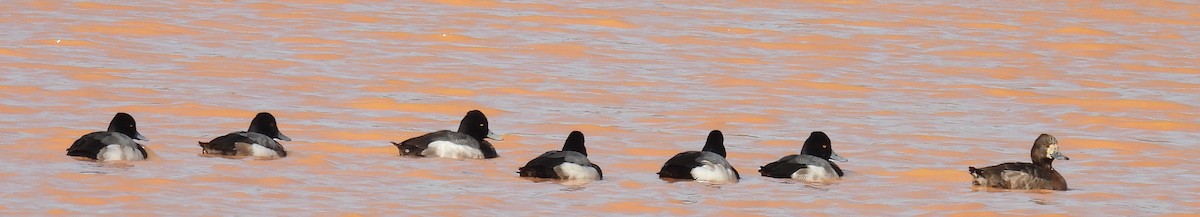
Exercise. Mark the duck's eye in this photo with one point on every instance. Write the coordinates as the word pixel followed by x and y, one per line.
pixel 824 146
pixel 131 125
pixel 480 125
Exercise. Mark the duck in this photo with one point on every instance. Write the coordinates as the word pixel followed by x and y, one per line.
pixel 258 141
pixel 115 144
pixel 571 163
pixel 466 143
pixel 1040 174
pixel 813 164
pixel 707 165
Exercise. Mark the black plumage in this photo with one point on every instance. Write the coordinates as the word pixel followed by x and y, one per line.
pixel 681 165
pixel 817 152
pixel 548 165
pixel 263 131
pixel 472 131
pixel 122 130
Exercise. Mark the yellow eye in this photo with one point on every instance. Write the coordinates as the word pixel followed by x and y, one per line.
pixel 824 146
pixel 480 125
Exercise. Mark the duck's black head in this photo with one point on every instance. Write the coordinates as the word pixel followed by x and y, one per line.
pixel 819 145
pixel 715 143
pixel 1045 150
pixel 264 123
pixel 575 143
pixel 475 124
pixel 124 123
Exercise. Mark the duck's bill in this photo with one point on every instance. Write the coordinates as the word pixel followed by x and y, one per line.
pixel 139 136
pixel 1060 156
pixel 836 157
pixel 494 136
pixel 284 138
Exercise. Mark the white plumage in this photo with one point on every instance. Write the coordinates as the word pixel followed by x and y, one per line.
pixel 713 173
pixel 449 149
pixel 572 171
pixel 119 152
pixel 813 173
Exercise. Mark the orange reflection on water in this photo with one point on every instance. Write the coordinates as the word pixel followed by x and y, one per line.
pixel 911 93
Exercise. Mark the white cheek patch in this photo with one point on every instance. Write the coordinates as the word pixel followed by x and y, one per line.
pixel 1051 150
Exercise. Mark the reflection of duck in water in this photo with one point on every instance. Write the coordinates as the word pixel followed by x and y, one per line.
pixel 258 141
pixel 117 143
pixel 1037 175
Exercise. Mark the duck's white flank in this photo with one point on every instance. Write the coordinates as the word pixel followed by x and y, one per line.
pixel 118 152
pixel 258 150
pixel 713 173
pixel 812 174
pixel 448 149
pixel 572 171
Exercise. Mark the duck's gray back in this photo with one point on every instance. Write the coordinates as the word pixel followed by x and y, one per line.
pixel 813 161
pixel 573 157
pixel 458 138
pixel 713 158
pixel 261 139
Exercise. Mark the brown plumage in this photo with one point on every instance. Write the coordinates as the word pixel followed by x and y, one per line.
pixel 1039 174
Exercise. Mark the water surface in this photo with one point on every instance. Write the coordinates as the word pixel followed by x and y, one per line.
pixel 911 93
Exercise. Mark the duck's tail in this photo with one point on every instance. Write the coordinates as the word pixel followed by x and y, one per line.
pixel 977 176
pixel 536 172
pixel 406 149
pixel 204 147
pixel 975 172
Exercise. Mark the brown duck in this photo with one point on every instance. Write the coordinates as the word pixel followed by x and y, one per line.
pixel 1037 175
